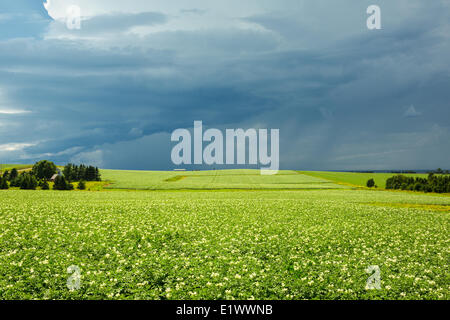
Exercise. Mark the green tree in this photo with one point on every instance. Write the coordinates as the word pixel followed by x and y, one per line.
pixel 81 172
pixel 6 174
pixel 28 182
pixel 91 174
pixel 15 182
pixel 13 175
pixel 82 185
pixel 3 184
pixel 23 184
pixel 44 169
pixel 60 183
pixel 69 172
pixel 97 175
pixel 370 183
pixel 45 185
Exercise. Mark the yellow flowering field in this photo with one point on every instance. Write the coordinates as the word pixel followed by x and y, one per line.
pixel 298 244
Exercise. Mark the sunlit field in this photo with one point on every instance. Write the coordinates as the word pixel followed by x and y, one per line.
pixel 356 178
pixel 4 167
pixel 218 179
pixel 241 244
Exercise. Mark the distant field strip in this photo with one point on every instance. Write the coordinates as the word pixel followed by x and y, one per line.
pixel 223 179
pixel 356 178
pixel 4 167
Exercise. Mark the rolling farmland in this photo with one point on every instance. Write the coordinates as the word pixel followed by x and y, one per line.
pixel 356 178
pixel 201 180
pixel 4 167
pixel 294 240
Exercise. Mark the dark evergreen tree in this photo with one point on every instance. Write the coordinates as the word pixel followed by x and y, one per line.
pixel 13 175
pixel 3 184
pixel 97 175
pixel 82 185
pixel 15 182
pixel 90 174
pixel 76 173
pixel 69 172
pixel 28 182
pixel 45 185
pixel 60 183
pixel 81 172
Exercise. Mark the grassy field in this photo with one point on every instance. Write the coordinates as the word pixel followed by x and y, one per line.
pixel 355 178
pixel 225 179
pixel 311 244
pixel 4 167
pixel 285 242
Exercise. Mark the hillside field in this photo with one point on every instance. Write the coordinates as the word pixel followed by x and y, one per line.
pixel 223 235
pixel 4 167
pixel 218 179
pixel 356 178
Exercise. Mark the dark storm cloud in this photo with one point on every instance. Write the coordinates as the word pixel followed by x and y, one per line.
pixel 342 99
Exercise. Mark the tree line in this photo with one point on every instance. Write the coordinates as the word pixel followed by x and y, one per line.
pixel 438 181
pixel 44 170
pixel 24 180
pixel 77 173
pixel 434 183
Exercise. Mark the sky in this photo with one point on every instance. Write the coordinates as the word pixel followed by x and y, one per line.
pixel 111 93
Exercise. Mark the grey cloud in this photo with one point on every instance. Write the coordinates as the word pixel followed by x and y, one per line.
pixel 113 23
pixel 194 11
pixel 338 99
pixel 148 151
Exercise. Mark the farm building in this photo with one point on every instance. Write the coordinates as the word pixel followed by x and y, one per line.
pixel 55 175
